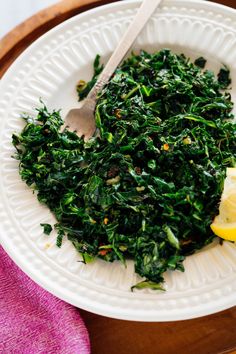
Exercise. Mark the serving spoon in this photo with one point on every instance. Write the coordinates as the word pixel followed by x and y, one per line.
pixel 82 119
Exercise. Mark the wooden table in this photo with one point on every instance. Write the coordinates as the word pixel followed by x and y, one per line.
pixel 213 334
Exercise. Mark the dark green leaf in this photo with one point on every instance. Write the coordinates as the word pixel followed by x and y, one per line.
pixel 47 228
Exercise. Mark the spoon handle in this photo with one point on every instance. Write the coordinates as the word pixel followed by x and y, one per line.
pixel 144 12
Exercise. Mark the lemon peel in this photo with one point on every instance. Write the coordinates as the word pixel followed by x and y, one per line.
pixel 224 225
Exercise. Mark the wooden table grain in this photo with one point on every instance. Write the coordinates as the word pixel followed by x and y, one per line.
pixel 214 334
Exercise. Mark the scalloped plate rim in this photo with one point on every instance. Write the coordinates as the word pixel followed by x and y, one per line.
pixel 23 264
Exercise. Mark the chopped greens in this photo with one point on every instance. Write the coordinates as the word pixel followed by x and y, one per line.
pixel 201 62
pixel 149 186
pixel 47 228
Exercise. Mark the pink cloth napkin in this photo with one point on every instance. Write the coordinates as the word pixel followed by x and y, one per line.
pixel 33 321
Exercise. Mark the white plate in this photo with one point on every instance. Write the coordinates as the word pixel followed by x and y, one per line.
pixel 50 69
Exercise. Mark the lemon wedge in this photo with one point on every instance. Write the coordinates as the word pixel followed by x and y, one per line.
pixel 224 225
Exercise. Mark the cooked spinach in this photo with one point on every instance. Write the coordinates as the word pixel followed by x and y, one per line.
pixel 47 228
pixel 150 185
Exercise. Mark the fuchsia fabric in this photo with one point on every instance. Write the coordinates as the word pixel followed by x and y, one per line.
pixel 33 321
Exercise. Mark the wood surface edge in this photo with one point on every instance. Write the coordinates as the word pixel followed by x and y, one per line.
pixel 14 42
